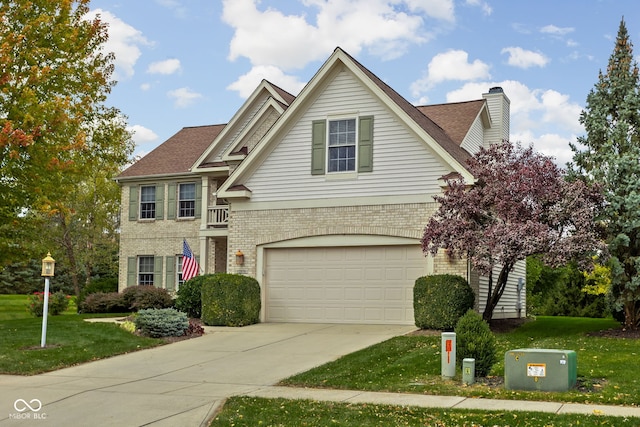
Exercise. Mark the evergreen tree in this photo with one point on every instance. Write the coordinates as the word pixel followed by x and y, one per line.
pixel 609 154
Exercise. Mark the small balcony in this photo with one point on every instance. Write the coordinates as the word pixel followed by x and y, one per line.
pixel 218 216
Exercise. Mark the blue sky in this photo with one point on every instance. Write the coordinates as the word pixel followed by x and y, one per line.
pixel 194 62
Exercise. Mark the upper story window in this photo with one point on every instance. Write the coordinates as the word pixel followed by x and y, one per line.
pixel 146 270
pixel 187 200
pixel 342 146
pixel 148 202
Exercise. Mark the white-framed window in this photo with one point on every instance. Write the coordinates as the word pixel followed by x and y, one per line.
pixel 148 202
pixel 341 146
pixel 179 279
pixel 146 270
pixel 187 200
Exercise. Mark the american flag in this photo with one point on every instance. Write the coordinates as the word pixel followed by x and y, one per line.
pixel 190 266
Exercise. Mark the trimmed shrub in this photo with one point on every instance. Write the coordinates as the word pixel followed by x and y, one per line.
pixel 161 322
pixel 440 300
pixel 142 297
pixel 111 302
pixel 102 285
pixel 58 303
pixel 230 300
pixel 474 339
pixel 189 296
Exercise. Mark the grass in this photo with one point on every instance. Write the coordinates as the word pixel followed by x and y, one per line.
pixel 70 340
pixel 411 364
pixel 13 307
pixel 247 411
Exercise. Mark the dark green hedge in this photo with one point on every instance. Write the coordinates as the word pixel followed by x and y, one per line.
pixel 189 296
pixel 230 300
pixel 440 300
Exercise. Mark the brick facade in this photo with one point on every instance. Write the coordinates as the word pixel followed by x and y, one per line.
pixel 250 229
pixel 159 238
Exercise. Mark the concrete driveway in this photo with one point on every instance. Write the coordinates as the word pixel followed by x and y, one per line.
pixel 180 384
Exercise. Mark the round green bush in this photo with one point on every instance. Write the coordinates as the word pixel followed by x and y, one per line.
pixel 58 303
pixel 474 339
pixel 230 300
pixel 162 322
pixel 189 296
pixel 440 300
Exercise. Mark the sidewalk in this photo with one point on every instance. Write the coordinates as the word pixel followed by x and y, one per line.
pixel 453 402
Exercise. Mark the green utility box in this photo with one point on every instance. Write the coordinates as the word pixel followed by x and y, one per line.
pixel 540 369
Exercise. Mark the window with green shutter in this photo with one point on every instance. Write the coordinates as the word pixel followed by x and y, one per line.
pixel 342 145
pixel 170 275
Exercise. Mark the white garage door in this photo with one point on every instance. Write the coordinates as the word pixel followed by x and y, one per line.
pixel 372 284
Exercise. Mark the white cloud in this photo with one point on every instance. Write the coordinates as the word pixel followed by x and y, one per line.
pixel 521 58
pixel 145 86
pixel 486 8
pixel 124 41
pixel 183 97
pixel 177 7
pixel 142 134
pixel 247 83
pixel 168 66
pixel 451 65
pixel 438 9
pixel 556 31
pixel 544 117
pixel 384 28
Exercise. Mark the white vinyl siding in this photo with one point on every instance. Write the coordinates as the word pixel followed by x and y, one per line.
pixel 397 153
pixel 507 306
pixel 473 140
pixel 231 138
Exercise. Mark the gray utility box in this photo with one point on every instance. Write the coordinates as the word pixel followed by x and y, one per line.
pixel 540 369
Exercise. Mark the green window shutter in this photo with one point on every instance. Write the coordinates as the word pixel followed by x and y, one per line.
pixel 171 201
pixel 170 277
pixel 132 271
pixel 133 203
pixel 157 272
pixel 160 201
pixel 365 145
pixel 318 146
pixel 198 212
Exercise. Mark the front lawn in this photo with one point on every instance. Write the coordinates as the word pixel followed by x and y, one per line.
pixel 411 364
pixel 70 340
pixel 606 372
pixel 250 412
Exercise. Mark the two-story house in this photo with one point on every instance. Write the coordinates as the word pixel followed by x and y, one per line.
pixel 322 197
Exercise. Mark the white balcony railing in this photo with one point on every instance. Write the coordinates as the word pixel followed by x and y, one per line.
pixel 218 216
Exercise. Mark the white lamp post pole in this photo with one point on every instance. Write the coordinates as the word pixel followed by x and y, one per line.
pixel 48 265
pixel 45 312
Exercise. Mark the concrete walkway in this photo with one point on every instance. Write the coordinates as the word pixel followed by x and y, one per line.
pixel 184 383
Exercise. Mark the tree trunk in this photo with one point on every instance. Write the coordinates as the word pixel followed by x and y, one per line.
pixel 493 297
pixel 67 243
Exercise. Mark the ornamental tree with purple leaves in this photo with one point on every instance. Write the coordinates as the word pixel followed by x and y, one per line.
pixel 519 205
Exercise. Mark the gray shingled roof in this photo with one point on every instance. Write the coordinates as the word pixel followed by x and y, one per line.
pixel 177 154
